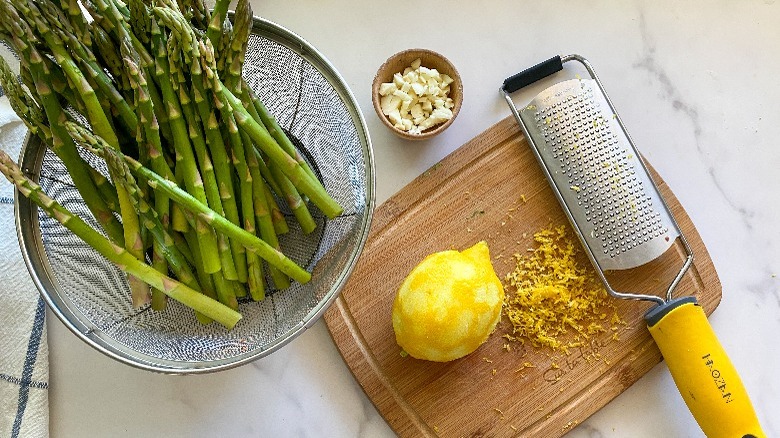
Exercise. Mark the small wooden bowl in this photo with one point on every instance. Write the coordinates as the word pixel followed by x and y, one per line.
pixel 428 58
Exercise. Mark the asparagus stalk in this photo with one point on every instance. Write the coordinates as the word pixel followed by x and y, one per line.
pixel 279 222
pixel 209 181
pixel 294 201
pixel 102 126
pixel 184 247
pixel 218 14
pixel 259 111
pixel 140 23
pixel 287 164
pixel 84 56
pixel 284 187
pixel 225 292
pixel 265 223
pixel 246 187
pixel 114 20
pixel 183 41
pixel 80 24
pixel 152 223
pixel 185 159
pixel 254 265
pixel 221 182
pixel 23 104
pixel 23 41
pixel 178 219
pixel 233 60
pixel 200 209
pixel 265 171
pixel 200 13
pixel 34 118
pixel 168 249
pixel 224 172
pixel 149 133
pixel 126 261
pixel 104 188
pixel 204 279
pixel 94 111
pixel 208 185
pixel 106 50
pixel 250 241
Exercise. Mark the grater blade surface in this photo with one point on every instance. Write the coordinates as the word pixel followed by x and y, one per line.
pixel 598 175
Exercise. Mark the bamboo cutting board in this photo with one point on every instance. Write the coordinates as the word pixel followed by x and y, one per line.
pixel 492 189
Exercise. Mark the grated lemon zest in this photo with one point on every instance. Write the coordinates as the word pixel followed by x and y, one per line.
pixel 551 299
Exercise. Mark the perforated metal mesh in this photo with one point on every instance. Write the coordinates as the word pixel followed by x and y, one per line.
pixel 91 295
pixel 598 174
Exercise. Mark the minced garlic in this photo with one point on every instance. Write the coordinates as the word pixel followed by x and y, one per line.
pixel 417 98
pixel 551 299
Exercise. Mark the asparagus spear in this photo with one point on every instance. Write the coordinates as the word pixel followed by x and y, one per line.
pixel 288 165
pixel 114 20
pixel 277 217
pixel 100 123
pixel 184 247
pixel 174 289
pixel 200 14
pixel 106 51
pixel 218 14
pixel 250 241
pixel 94 110
pixel 263 217
pixel 254 265
pixel 233 60
pixel 152 222
pixel 140 23
pixel 80 24
pixel 34 118
pixel 169 251
pixel 23 103
pixel 200 209
pixel 23 41
pixel 238 142
pixel 294 201
pixel 185 159
pixel 220 180
pixel 204 279
pixel 84 56
pixel 149 133
pixel 178 219
pixel 210 184
pixel 104 188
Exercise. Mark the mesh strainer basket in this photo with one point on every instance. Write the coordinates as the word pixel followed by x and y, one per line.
pixel 90 295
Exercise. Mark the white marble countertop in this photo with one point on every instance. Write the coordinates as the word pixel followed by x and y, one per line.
pixel 695 82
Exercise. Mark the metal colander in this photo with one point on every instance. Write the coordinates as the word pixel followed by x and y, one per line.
pixel 91 296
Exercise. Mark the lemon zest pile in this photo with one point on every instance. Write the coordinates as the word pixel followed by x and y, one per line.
pixel 549 294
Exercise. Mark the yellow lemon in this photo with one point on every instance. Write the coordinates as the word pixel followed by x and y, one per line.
pixel 448 305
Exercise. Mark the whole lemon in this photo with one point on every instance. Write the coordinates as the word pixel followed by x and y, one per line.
pixel 448 305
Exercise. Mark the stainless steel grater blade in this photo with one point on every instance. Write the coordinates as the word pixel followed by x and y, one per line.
pixel 596 172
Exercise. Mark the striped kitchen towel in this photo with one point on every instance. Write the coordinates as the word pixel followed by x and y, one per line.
pixel 24 357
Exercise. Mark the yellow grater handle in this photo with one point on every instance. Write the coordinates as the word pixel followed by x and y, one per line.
pixel 704 375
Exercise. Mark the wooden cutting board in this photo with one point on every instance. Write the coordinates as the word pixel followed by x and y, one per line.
pixel 492 189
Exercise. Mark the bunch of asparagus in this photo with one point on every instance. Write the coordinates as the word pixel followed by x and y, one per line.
pixel 197 164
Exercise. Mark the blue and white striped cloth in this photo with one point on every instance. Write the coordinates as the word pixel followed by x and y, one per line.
pixel 24 357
